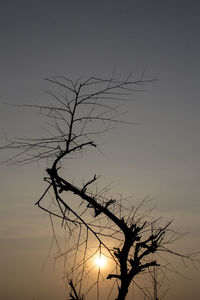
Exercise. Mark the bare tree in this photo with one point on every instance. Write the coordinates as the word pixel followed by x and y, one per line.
pixel 131 240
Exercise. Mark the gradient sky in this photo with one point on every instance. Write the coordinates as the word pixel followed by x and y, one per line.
pixel 160 157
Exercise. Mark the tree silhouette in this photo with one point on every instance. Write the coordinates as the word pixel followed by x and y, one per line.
pixel 134 242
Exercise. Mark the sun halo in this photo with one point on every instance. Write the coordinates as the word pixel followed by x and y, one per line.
pixel 100 261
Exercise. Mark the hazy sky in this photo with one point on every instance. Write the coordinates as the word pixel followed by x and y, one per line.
pixel 160 157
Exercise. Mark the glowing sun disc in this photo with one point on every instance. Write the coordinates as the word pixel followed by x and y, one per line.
pixel 100 261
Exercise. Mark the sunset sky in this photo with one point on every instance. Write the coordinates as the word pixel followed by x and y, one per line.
pixel 159 157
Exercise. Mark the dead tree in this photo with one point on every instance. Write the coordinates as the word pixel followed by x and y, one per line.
pixel 129 237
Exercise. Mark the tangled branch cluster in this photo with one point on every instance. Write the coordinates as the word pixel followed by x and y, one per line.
pixel 132 240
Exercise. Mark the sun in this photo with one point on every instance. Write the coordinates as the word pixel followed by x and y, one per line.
pixel 100 261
